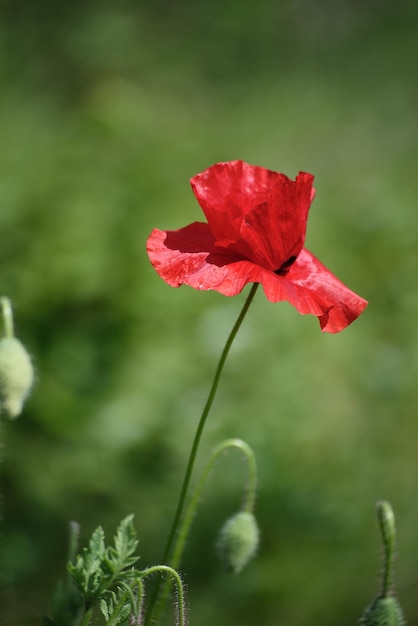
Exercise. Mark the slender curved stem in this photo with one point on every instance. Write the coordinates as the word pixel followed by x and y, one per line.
pixel 180 592
pixel 7 314
pixel 248 504
pixel 193 453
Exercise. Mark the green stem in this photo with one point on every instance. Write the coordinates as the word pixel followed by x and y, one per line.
pixel 7 314
pixel 247 506
pixel 386 519
pixel 193 453
pixel 140 600
pixel 87 617
pixel 181 621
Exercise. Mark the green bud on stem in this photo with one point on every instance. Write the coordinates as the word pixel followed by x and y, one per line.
pixel 16 376
pixel 385 609
pixel 383 612
pixel 238 541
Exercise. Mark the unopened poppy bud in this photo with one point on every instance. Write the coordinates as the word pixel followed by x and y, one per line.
pixel 238 541
pixel 16 376
pixel 383 612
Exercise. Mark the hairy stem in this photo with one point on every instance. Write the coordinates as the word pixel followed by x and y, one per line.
pixel 386 520
pixel 181 607
pixel 248 504
pixel 7 314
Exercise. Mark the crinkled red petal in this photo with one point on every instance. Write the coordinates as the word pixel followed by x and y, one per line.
pixel 228 191
pixel 189 257
pixel 255 212
pixel 311 288
pixel 275 231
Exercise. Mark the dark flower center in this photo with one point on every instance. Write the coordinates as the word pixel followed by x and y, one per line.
pixel 284 268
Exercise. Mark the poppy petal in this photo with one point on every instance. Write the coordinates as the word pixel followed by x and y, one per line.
pixel 228 191
pixel 255 233
pixel 188 257
pixel 311 288
pixel 275 231
pixel 257 213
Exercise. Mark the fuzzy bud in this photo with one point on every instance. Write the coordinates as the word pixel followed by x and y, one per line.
pixel 16 376
pixel 383 612
pixel 238 541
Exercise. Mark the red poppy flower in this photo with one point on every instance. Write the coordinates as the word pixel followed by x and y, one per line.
pixel 255 231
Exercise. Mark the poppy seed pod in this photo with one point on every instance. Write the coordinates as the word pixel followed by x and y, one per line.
pixel 383 612
pixel 238 541
pixel 16 376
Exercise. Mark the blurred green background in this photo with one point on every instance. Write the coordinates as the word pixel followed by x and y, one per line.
pixel 107 110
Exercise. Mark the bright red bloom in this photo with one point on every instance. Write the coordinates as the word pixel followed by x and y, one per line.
pixel 255 233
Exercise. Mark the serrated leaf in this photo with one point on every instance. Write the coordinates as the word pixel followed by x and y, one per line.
pixel 120 557
pixel 116 602
pixel 98 568
pixel 96 543
pixel 126 539
pixel 87 572
pixel 104 609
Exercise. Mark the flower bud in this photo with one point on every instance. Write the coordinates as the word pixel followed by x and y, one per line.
pixel 16 376
pixel 238 541
pixel 383 612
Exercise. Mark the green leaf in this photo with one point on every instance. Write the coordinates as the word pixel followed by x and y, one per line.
pixel 120 557
pixel 96 543
pixel 126 540
pixel 105 609
pixel 116 602
pixel 99 568
pixel 87 572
